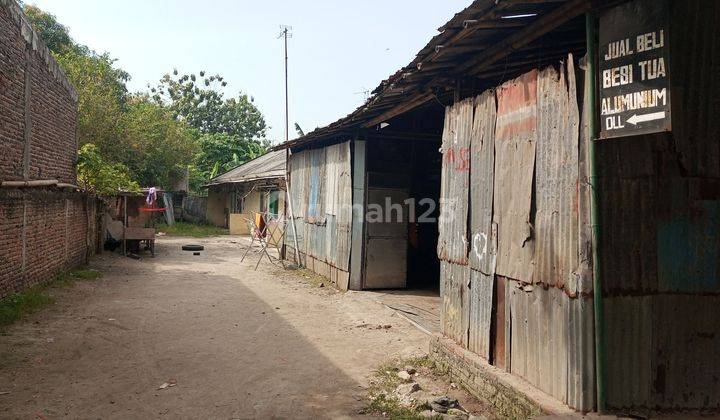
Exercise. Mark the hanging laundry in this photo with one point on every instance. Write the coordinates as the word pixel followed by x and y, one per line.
pixel 151 197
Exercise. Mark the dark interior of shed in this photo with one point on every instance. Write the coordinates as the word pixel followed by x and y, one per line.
pixel 404 167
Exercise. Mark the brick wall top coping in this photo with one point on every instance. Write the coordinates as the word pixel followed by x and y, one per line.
pixel 33 40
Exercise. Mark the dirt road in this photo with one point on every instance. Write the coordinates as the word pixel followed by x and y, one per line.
pixel 239 343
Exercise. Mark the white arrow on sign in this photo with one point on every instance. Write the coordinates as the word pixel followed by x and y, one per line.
pixel 635 119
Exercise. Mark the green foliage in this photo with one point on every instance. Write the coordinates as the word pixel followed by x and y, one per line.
pixel 30 300
pixel 192 229
pixel 184 123
pixel 156 145
pixel 102 98
pixel 15 306
pixel 231 131
pixel 56 36
pixel 226 152
pixel 102 177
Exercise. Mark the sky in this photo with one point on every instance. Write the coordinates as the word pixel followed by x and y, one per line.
pixel 338 49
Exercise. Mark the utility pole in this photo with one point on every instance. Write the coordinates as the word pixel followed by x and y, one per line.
pixel 285 34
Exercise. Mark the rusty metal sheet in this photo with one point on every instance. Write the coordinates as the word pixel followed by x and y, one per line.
pixel 556 180
pixel 628 350
pixel 629 223
pixel 539 337
pixel 323 209
pixel 316 186
pixel 661 351
pixel 483 242
pixel 688 254
pixel 515 138
pixel 455 314
pixel 582 282
pixel 685 342
pixel 501 324
pixel 695 60
pixel 480 310
pixel 453 241
pixel 581 354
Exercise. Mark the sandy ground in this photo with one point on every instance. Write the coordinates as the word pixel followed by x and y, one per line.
pixel 239 343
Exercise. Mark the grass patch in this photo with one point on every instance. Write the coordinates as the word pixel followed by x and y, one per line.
pixel 390 407
pixel 386 379
pixel 30 300
pixel 313 279
pixel 19 304
pixel 192 230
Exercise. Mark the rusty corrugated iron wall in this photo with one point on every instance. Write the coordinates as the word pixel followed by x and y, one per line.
pixel 524 213
pixel 660 206
pixel 453 240
pixel 321 189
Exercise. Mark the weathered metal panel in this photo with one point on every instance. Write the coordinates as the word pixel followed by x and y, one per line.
pixel 296 166
pixel 689 249
pixel 628 355
pixel 515 139
pixel 358 215
pixel 316 184
pixel 556 219
pixel 695 36
pixel 385 263
pixel 685 344
pixel 629 226
pixel 454 194
pixel 480 312
pixel 455 314
pixel 323 209
pixel 483 237
pixel 582 283
pixel 581 354
pixel 661 352
pixel 539 337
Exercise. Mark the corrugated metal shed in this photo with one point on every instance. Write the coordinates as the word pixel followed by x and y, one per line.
pixel 321 190
pixel 267 166
pixel 477 44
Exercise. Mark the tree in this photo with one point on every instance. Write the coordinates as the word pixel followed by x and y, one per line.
pixel 102 177
pixel 56 36
pixel 157 145
pixel 102 96
pixel 226 152
pixel 231 131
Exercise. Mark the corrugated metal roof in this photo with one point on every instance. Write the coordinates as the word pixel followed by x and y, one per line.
pixel 486 43
pixel 267 166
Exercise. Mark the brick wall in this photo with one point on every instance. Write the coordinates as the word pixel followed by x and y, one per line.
pixel 38 105
pixel 43 231
pixel 42 234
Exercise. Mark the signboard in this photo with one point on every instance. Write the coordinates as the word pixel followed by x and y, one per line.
pixel 634 69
